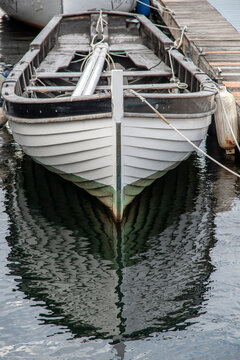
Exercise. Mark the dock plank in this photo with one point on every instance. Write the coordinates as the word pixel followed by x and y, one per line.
pixel 210 40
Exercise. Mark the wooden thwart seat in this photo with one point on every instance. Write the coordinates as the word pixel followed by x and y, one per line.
pixel 56 60
pixel 147 59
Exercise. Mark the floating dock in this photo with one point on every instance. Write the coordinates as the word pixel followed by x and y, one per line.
pixel 209 40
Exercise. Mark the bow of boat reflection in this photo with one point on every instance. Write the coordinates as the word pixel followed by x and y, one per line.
pixel 99 279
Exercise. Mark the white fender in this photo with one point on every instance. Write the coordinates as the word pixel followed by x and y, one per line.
pixel 3 120
pixel 226 120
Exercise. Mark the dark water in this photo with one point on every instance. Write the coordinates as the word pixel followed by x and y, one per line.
pixel 163 285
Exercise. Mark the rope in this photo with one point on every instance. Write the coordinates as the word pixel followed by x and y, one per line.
pixel 171 64
pixel 83 57
pixel 177 44
pixel 181 134
pixel 110 60
pixel 85 60
pixel 100 23
pixel 180 39
pixel 179 29
pixel 97 43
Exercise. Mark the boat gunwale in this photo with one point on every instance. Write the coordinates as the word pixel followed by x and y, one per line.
pixel 68 99
pixel 46 120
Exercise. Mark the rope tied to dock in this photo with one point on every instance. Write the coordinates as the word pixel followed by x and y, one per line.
pixel 176 45
pixel 161 116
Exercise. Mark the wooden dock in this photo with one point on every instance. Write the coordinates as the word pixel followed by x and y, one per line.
pixel 209 40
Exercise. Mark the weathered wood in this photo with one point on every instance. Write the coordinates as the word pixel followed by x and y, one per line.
pixel 236 94
pixel 56 60
pixel 231 69
pixel 147 60
pixel 231 76
pixel 224 63
pixel 222 58
pixel 232 84
pixel 210 40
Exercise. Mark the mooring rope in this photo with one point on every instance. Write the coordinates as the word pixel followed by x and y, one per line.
pixel 177 44
pixel 161 116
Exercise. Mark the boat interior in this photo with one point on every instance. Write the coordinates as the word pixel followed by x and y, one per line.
pixel 149 63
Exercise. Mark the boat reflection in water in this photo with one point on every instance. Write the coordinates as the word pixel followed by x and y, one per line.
pixel 106 280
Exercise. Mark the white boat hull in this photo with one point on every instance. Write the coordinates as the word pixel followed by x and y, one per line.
pixel 39 12
pixel 85 151
pixel 107 139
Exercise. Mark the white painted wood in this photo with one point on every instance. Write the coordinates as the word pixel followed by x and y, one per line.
pixel 154 154
pixel 87 165
pixel 82 148
pixel 88 149
pixel 154 122
pixel 62 138
pixel 156 144
pixel 70 148
pixel 76 157
pixel 96 174
pixel 55 128
pixel 117 95
pixel 151 146
pixel 169 134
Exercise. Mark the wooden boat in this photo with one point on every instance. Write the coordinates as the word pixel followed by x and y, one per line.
pixel 79 119
pixel 40 12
